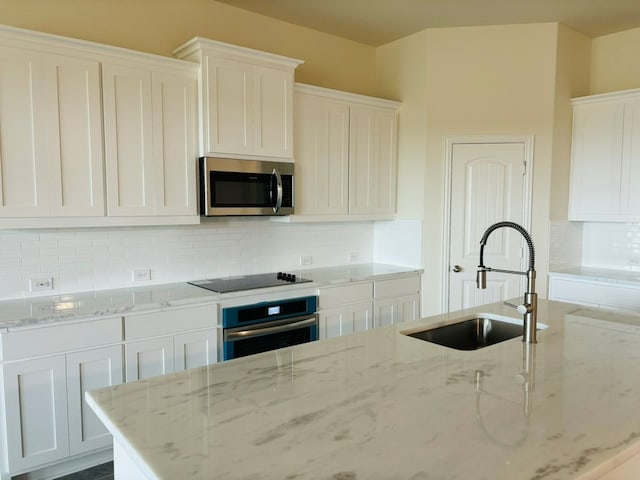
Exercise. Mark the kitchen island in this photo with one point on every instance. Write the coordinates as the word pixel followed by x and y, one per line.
pixel 383 405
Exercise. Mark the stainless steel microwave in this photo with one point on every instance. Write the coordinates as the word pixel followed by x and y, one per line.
pixel 245 187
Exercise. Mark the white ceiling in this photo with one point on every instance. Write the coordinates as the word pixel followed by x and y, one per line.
pixel 376 22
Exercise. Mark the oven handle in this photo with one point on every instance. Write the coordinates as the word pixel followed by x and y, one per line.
pixel 237 334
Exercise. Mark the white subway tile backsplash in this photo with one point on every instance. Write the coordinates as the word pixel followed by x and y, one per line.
pixel 611 245
pixel 103 258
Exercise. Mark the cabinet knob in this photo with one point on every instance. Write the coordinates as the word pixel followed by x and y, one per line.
pixel 456 268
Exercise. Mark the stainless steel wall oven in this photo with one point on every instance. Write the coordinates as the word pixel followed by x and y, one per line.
pixel 266 326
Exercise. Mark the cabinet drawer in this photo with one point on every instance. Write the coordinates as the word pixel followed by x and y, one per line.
pixel 396 287
pixel 345 294
pixel 169 322
pixel 59 338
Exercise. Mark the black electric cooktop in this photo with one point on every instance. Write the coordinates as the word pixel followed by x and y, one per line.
pixel 248 282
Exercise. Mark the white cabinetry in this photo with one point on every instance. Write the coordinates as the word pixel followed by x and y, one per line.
pixel 245 99
pixel 167 341
pixel 396 300
pixel 150 141
pixel 345 309
pixel 35 392
pixel 50 135
pixel 605 162
pixel 357 307
pixel 45 372
pixel 346 154
pixel 60 101
pixel 89 370
pixel 322 155
pixel 373 135
pixel 596 293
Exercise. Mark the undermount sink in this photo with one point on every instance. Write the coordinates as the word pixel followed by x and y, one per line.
pixel 472 332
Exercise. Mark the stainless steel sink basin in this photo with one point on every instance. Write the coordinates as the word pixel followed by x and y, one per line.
pixel 472 332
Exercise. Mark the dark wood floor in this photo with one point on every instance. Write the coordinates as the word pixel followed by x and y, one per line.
pixel 101 472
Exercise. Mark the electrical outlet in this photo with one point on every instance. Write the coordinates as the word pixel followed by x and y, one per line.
pixel 353 257
pixel 306 260
pixel 142 275
pixel 41 284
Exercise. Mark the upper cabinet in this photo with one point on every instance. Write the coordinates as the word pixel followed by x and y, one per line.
pixel 50 135
pixel 605 161
pixel 150 140
pixel 346 155
pixel 77 116
pixel 245 99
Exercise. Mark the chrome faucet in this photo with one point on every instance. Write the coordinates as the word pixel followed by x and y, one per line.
pixel 529 307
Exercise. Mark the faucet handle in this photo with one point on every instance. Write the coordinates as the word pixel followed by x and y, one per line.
pixel 522 308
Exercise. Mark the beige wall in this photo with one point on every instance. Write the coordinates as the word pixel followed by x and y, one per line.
pixel 495 80
pixel 402 70
pixel 572 80
pixel 159 26
pixel 615 62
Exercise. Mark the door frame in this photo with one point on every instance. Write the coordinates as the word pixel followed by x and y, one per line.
pixel 450 141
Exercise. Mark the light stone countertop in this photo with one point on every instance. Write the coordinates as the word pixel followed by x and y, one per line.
pixel 381 405
pixel 47 310
pixel 628 277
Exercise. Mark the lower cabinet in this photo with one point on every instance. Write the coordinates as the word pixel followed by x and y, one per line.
pixel 45 372
pixel 346 319
pixel 47 417
pixel 89 370
pixel 35 402
pixel 159 356
pixel 357 307
pixel 157 343
pixel 395 310
pixel 594 293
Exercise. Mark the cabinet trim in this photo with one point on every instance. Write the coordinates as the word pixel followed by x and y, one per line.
pixel 196 44
pixel 350 98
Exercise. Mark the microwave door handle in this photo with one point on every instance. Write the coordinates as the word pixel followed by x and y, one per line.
pixel 278 202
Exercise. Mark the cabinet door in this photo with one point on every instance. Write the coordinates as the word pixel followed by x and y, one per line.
pixel 89 370
pixel 338 321
pixel 630 194
pixel 195 349
pixel 174 140
pixel 396 310
pixel 322 155
pixel 74 120
pixel 36 399
pixel 148 358
pixel 228 126
pixel 273 112
pixel 128 140
pixel 596 161
pixel 23 165
pixel 372 160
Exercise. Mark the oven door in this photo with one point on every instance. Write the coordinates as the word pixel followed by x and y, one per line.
pixel 263 337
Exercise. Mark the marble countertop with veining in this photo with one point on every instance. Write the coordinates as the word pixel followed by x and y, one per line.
pixel 46 310
pixel 382 405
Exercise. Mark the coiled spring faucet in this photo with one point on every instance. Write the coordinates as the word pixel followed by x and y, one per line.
pixel 529 307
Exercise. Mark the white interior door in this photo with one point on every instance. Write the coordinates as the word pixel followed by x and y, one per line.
pixel 488 183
